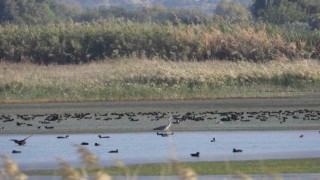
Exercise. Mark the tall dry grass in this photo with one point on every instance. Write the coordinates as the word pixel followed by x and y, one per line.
pixel 149 79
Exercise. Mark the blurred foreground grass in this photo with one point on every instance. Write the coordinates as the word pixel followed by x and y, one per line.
pixel 186 171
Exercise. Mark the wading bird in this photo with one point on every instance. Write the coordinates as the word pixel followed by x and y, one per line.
pixel 21 142
pixel 164 127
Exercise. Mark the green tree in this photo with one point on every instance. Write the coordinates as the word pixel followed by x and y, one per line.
pixel 30 11
pixel 232 10
pixel 8 10
pixel 284 12
pixel 279 11
pixel 257 6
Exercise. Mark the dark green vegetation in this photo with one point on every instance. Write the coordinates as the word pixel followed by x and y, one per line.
pixel 232 167
pixel 301 13
pixel 272 167
pixel 85 42
pixel 45 32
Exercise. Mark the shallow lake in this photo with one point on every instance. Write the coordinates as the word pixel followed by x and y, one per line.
pixel 42 151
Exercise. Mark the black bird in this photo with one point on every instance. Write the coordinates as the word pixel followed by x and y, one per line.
pixel 15 152
pixel 84 143
pixel 165 134
pixel 114 151
pixel 197 154
pixel 103 136
pixel 236 150
pixel 301 136
pixel 213 140
pixel 49 127
pixel 96 144
pixel 21 142
pixel 63 137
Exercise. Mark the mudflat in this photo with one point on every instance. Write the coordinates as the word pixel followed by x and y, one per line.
pixel 282 113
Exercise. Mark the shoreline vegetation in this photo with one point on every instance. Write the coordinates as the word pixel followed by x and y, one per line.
pixel 145 79
pixel 273 168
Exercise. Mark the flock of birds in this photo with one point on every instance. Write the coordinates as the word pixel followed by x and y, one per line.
pixel 47 121
pixel 163 128
pixel 22 142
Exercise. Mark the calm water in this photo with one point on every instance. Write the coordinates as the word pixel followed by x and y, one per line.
pixel 42 151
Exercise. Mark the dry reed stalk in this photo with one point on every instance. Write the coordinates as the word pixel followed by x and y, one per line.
pixel 69 172
pixel 11 170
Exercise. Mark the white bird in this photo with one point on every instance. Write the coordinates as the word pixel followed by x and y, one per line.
pixel 164 127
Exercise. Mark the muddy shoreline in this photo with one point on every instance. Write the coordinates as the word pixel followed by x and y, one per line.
pixel 143 116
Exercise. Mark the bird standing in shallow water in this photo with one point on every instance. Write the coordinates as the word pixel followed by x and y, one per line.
pixel 21 142
pixel 164 127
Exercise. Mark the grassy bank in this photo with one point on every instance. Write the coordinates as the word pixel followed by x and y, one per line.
pixel 272 167
pixel 229 167
pixel 148 79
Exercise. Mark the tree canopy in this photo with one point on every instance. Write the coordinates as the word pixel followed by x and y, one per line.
pixel 288 11
pixel 30 11
pixel 232 10
pixel 306 12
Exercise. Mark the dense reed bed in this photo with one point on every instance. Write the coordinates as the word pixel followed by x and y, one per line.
pixel 130 79
pixel 84 42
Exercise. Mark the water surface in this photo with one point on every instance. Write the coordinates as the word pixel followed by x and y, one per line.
pixel 42 151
